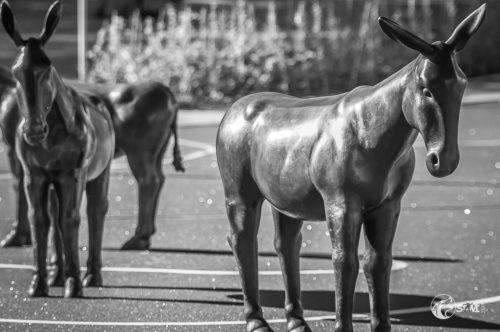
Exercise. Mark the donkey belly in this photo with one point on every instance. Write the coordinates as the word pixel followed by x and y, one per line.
pixel 280 167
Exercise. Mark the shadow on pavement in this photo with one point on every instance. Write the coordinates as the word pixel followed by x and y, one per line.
pixel 311 255
pixel 151 299
pixel 201 289
pixel 325 301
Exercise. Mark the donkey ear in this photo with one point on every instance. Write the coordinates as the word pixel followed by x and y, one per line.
pixel 466 29
pixel 10 25
pixel 51 21
pixel 400 35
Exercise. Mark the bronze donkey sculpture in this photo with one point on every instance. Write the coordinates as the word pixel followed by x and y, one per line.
pixel 347 159
pixel 144 117
pixel 66 141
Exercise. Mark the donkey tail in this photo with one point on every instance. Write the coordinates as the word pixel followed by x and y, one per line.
pixel 178 165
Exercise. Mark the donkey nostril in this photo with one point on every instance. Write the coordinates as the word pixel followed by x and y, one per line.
pixel 434 159
pixel 45 129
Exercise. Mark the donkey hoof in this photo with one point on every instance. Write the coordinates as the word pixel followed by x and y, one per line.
pixel 137 243
pixel 258 325
pixel 297 325
pixel 38 287
pixel 179 166
pixel 92 280
pixel 16 239
pixel 73 288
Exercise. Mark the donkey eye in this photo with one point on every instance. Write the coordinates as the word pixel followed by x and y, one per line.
pixel 427 92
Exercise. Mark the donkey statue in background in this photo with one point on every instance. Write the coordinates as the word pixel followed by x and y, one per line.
pixel 66 141
pixel 347 159
pixel 144 117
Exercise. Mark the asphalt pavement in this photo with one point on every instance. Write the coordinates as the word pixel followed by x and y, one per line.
pixel 446 243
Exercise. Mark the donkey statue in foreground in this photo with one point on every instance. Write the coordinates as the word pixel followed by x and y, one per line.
pixel 64 141
pixel 347 159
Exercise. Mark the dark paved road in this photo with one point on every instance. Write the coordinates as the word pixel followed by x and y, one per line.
pixel 447 239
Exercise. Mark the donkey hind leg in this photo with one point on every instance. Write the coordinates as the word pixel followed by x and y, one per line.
pixel 36 190
pixel 97 207
pixel 287 242
pixel 69 189
pixel 56 255
pixel 344 224
pixel 244 220
pixel 20 235
pixel 148 171
pixel 380 227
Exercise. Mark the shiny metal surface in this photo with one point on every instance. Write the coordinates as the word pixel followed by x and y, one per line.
pixel 347 159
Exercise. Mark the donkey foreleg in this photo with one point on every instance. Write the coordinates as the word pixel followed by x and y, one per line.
pixel 343 216
pixel 69 188
pixel 380 227
pixel 56 246
pixel 36 190
pixel 97 207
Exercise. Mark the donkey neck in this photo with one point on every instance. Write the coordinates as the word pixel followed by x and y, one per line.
pixel 381 124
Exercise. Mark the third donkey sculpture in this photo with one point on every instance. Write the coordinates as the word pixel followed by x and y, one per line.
pixel 347 159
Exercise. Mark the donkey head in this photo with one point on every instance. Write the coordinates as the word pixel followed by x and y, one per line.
pixel 434 90
pixel 33 73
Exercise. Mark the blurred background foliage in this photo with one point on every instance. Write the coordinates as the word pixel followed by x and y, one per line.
pixel 216 51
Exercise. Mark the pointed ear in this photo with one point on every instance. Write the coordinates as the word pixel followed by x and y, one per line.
pixel 10 25
pixel 466 29
pixel 51 21
pixel 400 35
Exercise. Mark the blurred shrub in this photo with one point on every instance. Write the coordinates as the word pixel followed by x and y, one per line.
pixel 218 53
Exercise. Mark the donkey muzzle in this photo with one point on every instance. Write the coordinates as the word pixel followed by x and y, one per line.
pixel 441 163
pixel 36 134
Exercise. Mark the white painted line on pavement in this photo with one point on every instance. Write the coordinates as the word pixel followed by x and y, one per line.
pixel 197 144
pixel 396 265
pixel 486 300
pixel 87 323
pixel 214 323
